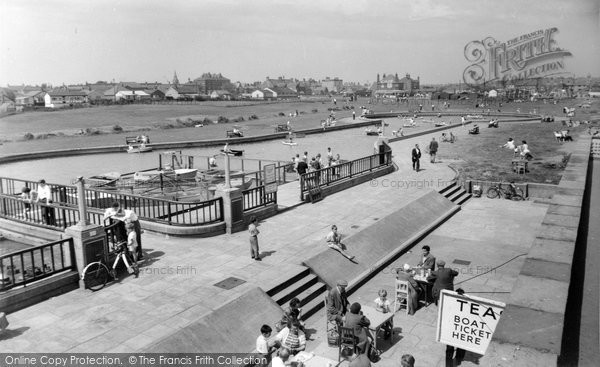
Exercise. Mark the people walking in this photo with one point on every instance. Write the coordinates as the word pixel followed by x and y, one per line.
pixel 433 148
pixel 416 156
pixel 45 197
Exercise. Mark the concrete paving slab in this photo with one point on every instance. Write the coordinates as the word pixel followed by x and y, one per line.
pixel 540 294
pixel 567 200
pixel 552 250
pixel 547 269
pixel 564 210
pixel 557 233
pixel 562 220
pixel 530 327
pixel 511 355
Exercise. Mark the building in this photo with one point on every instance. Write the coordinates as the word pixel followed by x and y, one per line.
pixel 280 82
pixel 210 82
pixel 391 84
pixel 64 98
pixel 280 93
pixel 183 92
pixel 334 85
pixel 28 99
pixel 132 95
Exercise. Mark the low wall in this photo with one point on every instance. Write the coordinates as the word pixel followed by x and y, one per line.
pixel 19 298
pixel 357 180
pixel 531 327
pixel 203 230
pixel 381 242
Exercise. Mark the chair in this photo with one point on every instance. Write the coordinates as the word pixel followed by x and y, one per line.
pixel 401 295
pixel 331 328
pixel 347 340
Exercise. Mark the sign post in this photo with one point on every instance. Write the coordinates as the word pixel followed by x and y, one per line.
pixel 467 322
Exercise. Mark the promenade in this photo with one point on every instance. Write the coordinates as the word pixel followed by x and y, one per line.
pixel 176 282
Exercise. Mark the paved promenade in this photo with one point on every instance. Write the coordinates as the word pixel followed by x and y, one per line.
pixel 175 286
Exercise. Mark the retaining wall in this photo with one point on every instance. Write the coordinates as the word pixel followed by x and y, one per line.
pixel 531 327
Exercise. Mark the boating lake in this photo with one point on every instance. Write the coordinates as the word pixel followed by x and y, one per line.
pixel 349 144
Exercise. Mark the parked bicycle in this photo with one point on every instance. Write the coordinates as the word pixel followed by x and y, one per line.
pixel 95 274
pixel 497 191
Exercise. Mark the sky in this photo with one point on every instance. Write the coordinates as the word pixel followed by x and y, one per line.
pixel 73 41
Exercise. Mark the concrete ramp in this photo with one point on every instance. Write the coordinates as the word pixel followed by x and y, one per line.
pixel 230 328
pixel 384 239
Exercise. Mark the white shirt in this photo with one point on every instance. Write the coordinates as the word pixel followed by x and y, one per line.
pixel 277 362
pixel 262 345
pixel 44 192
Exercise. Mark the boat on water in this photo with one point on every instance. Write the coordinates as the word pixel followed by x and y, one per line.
pixel 177 174
pixel 139 149
pixel 103 179
pixel 233 152
pixel 286 142
pixel 371 132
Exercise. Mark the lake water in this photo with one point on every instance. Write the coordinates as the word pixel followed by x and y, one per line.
pixel 350 144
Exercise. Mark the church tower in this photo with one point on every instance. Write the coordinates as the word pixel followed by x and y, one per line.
pixel 175 79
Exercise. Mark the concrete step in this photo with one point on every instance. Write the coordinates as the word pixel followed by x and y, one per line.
pixel 456 194
pixel 449 193
pixel 296 274
pixel 314 305
pixel 311 293
pixel 442 191
pixel 294 289
pixel 463 199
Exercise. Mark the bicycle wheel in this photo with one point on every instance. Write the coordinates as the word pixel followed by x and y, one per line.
pixel 95 276
pixel 492 192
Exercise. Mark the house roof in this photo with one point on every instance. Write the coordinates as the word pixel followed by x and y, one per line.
pixel 187 89
pixel 67 93
pixel 282 90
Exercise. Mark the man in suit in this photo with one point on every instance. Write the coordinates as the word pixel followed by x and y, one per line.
pixel 443 278
pixel 428 260
pixel 416 156
pixel 337 303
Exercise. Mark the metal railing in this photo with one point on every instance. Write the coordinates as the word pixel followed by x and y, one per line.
pixel 256 198
pixel 22 267
pixel 332 174
pixel 60 216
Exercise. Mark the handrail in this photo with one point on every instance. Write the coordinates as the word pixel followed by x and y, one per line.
pixel 25 266
pixel 256 198
pixel 332 174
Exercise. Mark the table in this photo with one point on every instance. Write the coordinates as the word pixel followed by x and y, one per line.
pixel 426 286
pixel 311 360
pixel 378 319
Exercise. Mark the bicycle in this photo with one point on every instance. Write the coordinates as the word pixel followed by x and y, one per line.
pixel 95 274
pixel 497 191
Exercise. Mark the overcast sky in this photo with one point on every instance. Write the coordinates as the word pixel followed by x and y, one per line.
pixel 73 41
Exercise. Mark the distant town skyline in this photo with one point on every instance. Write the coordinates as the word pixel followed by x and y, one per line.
pixel 73 42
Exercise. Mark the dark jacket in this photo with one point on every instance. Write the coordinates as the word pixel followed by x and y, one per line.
pixel 429 262
pixel 443 279
pixel 358 323
pixel 433 146
pixel 416 154
pixel 302 167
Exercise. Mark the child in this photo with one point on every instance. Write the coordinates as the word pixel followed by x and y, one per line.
pixel 292 313
pixel 382 304
pixel 27 198
pixel 132 242
pixel 263 345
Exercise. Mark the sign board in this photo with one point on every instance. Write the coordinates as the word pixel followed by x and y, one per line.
pixel 270 179
pixel 467 322
pixel 270 188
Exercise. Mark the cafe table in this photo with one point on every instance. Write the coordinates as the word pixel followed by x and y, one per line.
pixel 378 319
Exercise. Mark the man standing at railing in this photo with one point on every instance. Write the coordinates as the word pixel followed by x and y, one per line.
pixel 127 216
pixel 45 197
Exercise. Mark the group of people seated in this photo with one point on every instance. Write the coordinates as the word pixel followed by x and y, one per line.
pixel 521 151
pixel 237 132
pixel 493 123
pixel 562 136
pixel 451 138
pixel 474 130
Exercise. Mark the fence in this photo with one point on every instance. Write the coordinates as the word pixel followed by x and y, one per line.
pixel 22 267
pixel 332 174
pixel 64 211
pixel 256 198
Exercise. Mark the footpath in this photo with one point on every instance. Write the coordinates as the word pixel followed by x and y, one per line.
pixel 176 283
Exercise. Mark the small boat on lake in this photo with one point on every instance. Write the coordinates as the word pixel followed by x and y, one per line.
pixel 177 174
pixel 233 152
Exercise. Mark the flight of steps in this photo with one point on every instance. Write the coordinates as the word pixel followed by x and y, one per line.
pixel 455 193
pixel 306 287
